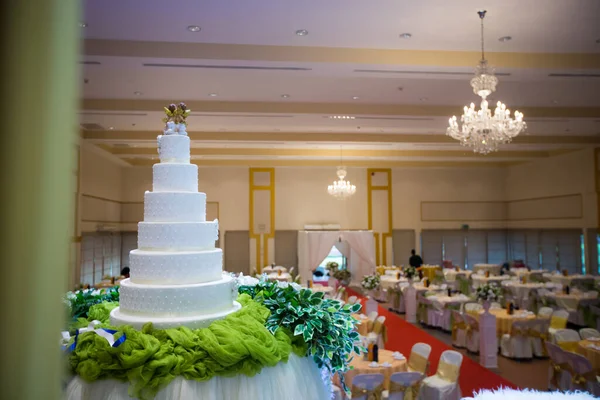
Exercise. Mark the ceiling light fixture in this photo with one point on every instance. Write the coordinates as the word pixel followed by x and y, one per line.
pixel 355 97
pixel 83 25
pixel 480 129
pixel 111 128
pixel 212 94
pixel 301 32
pixel 423 99
pixel 285 96
pixel 341 189
pixel 341 117
pixel 505 38
pixel 405 35
pixel 137 93
pixel 194 28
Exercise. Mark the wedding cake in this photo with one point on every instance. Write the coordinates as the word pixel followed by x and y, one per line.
pixel 176 274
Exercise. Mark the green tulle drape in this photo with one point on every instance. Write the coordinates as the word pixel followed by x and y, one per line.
pixel 150 359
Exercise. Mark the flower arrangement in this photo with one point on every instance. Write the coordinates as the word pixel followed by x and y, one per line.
pixel 370 282
pixel 488 292
pixel 410 272
pixel 176 113
pixel 332 266
pixel 324 325
pixel 342 275
pixel 80 301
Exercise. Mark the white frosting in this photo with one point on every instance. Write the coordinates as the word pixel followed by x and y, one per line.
pixel 174 207
pixel 177 236
pixel 171 177
pixel 174 148
pixel 118 317
pixel 180 268
pixel 177 300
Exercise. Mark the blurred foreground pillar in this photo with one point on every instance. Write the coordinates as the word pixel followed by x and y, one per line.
pixel 39 75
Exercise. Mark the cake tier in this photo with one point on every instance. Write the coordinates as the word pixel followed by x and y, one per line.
pixel 174 148
pixel 180 268
pixel 177 300
pixel 177 236
pixel 174 207
pixel 118 317
pixel 175 177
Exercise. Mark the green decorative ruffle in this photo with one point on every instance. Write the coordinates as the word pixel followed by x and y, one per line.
pixel 150 359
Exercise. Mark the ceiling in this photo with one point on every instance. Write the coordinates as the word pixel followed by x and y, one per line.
pixel 262 95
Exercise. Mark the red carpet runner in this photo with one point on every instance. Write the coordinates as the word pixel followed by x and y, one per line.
pixel 403 335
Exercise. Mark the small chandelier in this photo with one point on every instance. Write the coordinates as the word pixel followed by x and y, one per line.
pixel 480 129
pixel 341 189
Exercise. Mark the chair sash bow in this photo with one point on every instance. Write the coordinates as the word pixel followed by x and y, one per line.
pixel 411 392
pixel 372 394
pixel 456 326
pixel 556 370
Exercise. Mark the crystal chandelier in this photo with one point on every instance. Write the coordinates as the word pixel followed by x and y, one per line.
pixel 482 130
pixel 341 189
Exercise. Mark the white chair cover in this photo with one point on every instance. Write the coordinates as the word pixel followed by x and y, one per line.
pixel 517 344
pixel 352 299
pixel 539 325
pixel 559 357
pixel 421 349
pixel 584 378
pixel 404 379
pixel 460 338
pixel 566 335
pixel 588 333
pixel 562 315
pixel 472 334
pixel 337 393
pixel 447 312
pixel 437 388
pixel 368 382
pixel 545 312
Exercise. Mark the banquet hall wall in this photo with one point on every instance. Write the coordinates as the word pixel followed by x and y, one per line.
pixel 558 192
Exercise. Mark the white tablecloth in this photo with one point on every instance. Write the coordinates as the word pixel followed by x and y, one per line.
pixel 439 301
pixel 479 280
pixel 284 277
pixel 493 268
pixel 450 274
pixel 388 282
pixel 566 280
pixel 297 379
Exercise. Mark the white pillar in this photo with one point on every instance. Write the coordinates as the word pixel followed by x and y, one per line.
pixel 488 340
pixel 410 304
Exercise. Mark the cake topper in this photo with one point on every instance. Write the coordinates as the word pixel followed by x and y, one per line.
pixel 176 119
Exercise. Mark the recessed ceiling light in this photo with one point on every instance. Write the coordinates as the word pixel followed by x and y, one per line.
pixel 405 35
pixel 138 93
pixel 341 117
pixel 83 25
pixel 111 128
pixel 554 101
pixel 355 97
pixel 505 38
pixel 285 96
pixel 301 32
pixel 212 94
pixel 423 99
pixel 194 28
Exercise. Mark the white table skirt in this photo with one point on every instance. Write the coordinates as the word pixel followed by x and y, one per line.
pixel 298 379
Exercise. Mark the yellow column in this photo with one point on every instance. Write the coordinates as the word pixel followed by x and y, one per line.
pixel 381 233
pixel 262 212
pixel 40 40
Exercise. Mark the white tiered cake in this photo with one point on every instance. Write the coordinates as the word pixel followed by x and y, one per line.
pixel 176 273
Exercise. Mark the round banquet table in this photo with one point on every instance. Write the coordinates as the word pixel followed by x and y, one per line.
pixel 521 290
pixel 590 349
pixel 388 282
pixel 568 301
pixel 479 280
pixel 450 274
pixel 360 366
pixel 566 280
pixel 284 277
pixel 493 268
pixel 320 288
pixel 503 320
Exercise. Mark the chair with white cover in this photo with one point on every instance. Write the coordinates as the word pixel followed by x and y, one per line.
pixel 586 333
pixel 379 334
pixel 538 332
pixel 517 343
pixel 352 299
pixel 459 330
pixel 404 386
pixel 583 376
pixel 418 361
pixel 446 322
pixel 545 312
pixel 373 316
pixel 472 333
pixel 444 384
pixel 567 339
pixel 559 377
pixel 367 386
pixel 558 321
pixel 337 393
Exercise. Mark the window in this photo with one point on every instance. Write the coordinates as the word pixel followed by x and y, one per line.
pixel 582 242
pixel 454 247
pixel 100 256
pixel 432 247
pixel 334 256
pixel 496 247
pixel 476 248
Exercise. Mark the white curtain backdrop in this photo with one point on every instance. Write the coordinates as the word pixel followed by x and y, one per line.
pixel 357 246
pixel 362 260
